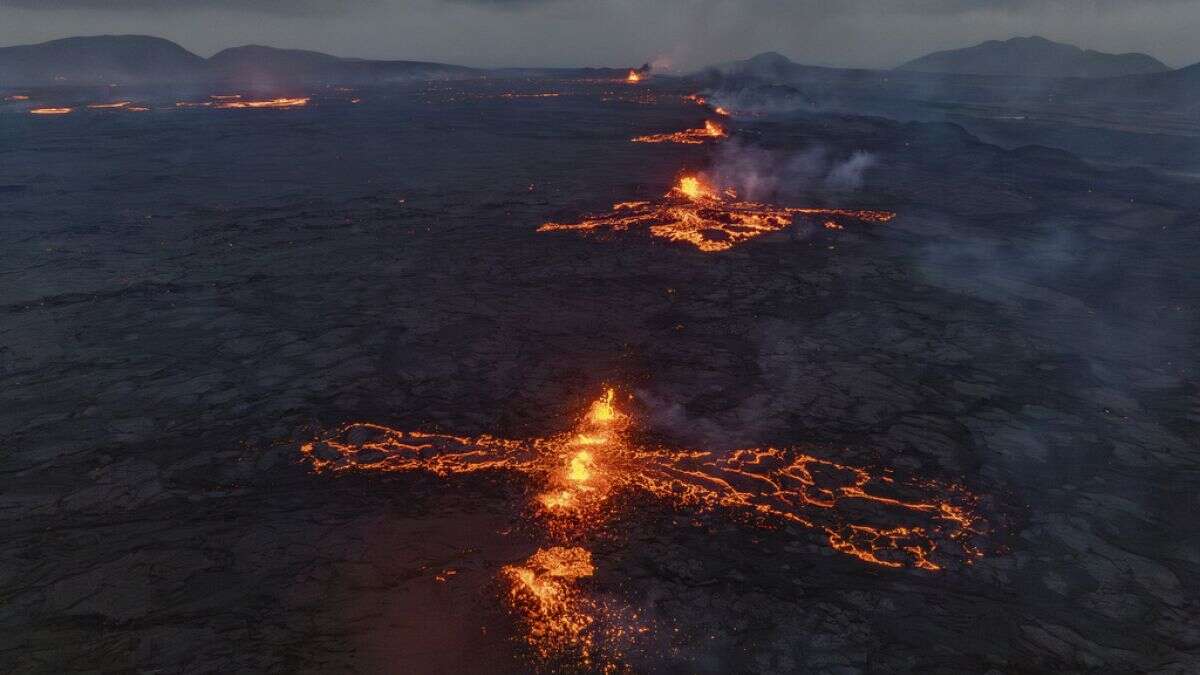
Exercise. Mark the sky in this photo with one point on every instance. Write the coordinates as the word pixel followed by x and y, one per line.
pixel 674 34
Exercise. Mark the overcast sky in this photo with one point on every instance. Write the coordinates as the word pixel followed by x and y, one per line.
pixel 678 33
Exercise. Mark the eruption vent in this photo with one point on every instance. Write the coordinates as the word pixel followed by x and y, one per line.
pixel 695 213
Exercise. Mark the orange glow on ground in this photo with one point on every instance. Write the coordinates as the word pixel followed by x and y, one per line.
pixel 51 111
pixel 694 212
pixel 587 472
pixel 711 131
pixel 272 103
pixel 105 106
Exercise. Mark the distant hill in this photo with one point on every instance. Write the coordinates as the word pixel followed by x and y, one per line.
pixel 139 59
pixel 101 59
pixel 1034 57
pixel 265 66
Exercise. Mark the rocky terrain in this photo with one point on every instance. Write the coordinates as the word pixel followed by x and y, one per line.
pixel 189 295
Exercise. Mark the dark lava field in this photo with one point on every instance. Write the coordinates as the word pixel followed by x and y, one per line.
pixel 189 295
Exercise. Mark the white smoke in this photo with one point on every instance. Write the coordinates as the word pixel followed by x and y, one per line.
pixel 759 174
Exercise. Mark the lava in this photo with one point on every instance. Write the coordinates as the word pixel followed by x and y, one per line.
pixel 634 77
pixel 585 472
pixel 235 102
pixel 106 106
pixel 557 615
pixel 870 516
pixel 16 97
pixel 694 212
pixel 272 103
pixel 51 111
pixel 709 132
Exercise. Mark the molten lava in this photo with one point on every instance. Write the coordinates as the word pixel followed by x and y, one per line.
pixel 709 132
pixel 272 103
pixel 105 106
pixel 871 516
pixel 695 213
pixel 587 472
pixel 557 615
pixel 634 77
pixel 51 111
pixel 235 102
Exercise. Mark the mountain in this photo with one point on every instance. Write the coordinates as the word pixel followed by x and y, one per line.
pixel 265 66
pixel 101 59
pixel 139 59
pixel 1034 57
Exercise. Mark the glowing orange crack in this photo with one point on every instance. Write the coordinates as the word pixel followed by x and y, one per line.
pixel 694 212
pixel 870 516
pixel 711 131
pixel 585 469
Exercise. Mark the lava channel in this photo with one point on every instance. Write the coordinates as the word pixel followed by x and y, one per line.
pixel 868 515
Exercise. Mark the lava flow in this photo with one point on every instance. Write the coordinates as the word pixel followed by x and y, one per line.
pixel 51 111
pixel 228 104
pixel 709 132
pixel 633 77
pixel 235 102
pixel 584 474
pixel 695 213
pixel 543 589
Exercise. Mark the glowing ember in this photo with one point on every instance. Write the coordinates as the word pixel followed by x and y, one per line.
pixel 634 77
pixel 721 111
pixel 873 517
pixel 710 131
pixel 51 111
pixel 103 106
pixel 16 97
pixel 695 213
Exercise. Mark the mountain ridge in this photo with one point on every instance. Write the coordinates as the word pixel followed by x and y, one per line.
pixel 1034 56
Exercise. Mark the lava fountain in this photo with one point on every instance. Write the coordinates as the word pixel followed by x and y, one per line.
pixel 694 212
pixel 633 77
